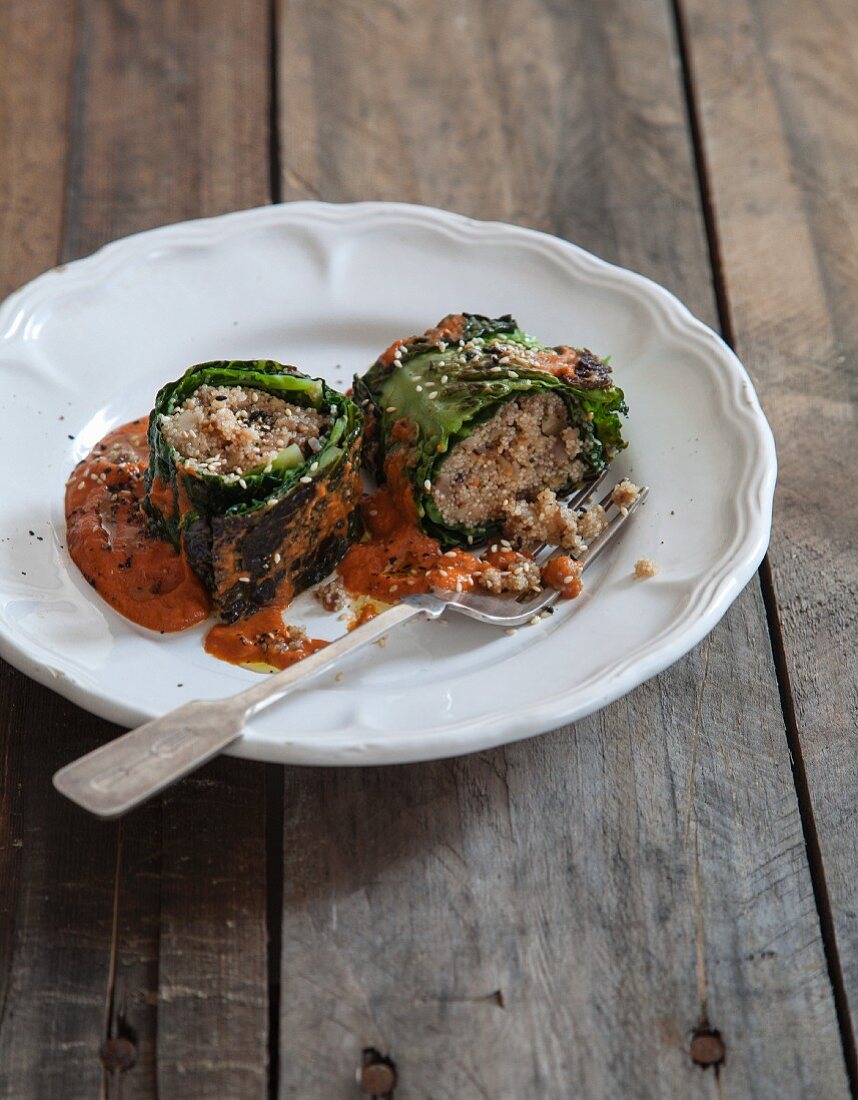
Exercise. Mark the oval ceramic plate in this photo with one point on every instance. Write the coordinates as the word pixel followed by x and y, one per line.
pixel 85 348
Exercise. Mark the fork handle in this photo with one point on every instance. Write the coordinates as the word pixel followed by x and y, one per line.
pixel 118 776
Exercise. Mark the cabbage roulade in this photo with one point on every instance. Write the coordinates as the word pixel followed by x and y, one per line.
pixel 486 426
pixel 255 476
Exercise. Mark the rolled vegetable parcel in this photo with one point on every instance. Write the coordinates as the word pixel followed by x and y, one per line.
pixel 255 475
pixel 486 426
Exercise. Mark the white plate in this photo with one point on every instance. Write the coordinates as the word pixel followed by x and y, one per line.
pixel 85 347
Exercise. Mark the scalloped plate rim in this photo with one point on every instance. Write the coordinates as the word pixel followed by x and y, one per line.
pixel 356 746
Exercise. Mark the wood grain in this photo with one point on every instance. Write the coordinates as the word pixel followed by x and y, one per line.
pixel 152 931
pixel 784 192
pixel 170 122
pixel 555 918
pixel 56 868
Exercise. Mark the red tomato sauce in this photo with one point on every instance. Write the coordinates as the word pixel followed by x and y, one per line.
pixel 262 638
pixel 143 578
pixel 564 574
pixel 398 559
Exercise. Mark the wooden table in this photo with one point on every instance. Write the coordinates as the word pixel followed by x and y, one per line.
pixel 600 912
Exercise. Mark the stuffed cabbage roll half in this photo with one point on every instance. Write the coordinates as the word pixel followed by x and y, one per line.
pixel 255 475
pixel 487 427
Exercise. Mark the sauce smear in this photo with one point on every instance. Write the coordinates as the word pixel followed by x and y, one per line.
pixel 261 639
pixel 398 559
pixel 142 577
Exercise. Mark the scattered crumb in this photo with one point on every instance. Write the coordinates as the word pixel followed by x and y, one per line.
pixel 519 575
pixel 625 494
pixel 645 567
pixel 592 522
pixel 544 519
pixel 339 676
pixel 331 595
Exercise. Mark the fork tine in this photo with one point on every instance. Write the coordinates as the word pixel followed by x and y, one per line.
pixel 518 610
pixel 601 541
pixel 576 501
pixel 580 496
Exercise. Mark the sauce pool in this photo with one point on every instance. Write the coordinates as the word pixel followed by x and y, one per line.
pixel 148 581
pixel 143 578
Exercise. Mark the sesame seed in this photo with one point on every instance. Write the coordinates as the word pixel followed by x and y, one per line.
pixel 443 378
pixel 244 580
pixel 333 410
pixel 390 409
pixel 450 554
pixel 419 389
pixel 442 345
pixel 427 484
pixel 504 359
pixel 513 374
pixel 306 479
pixel 470 540
pixel 534 621
pixel 510 631
pixel 568 580
pixel 433 395
pixel 277 557
pixel 314 466
pixel 242 483
pixel 82 485
pixel 394 588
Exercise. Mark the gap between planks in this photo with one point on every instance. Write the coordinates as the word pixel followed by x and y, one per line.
pixel 274 776
pixel 773 621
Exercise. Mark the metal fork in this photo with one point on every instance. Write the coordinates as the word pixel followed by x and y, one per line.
pixel 125 772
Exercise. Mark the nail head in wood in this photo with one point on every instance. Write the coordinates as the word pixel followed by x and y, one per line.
pixel 377 1075
pixel 707 1048
pixel 118 1054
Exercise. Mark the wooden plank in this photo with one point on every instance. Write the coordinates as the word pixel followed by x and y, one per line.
pixel 782 180
pixel 57 868
pixel 555 918
pixel 170 122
